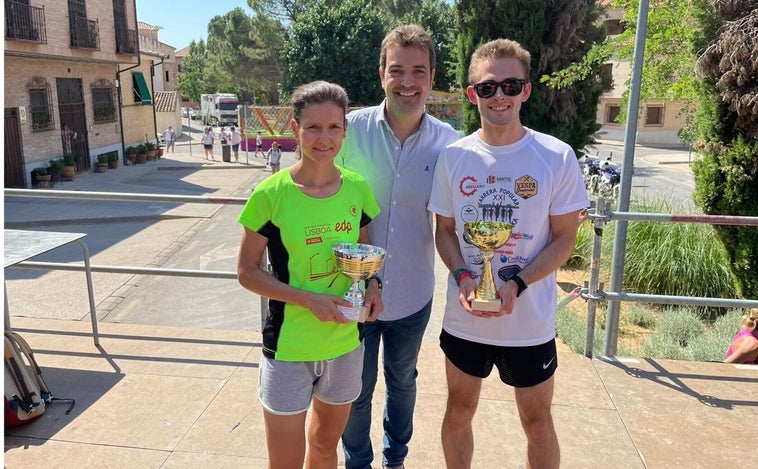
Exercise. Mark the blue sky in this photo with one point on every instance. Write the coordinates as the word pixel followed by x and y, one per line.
pixel 184 20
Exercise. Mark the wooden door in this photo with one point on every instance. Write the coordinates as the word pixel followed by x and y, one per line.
pixel 14 158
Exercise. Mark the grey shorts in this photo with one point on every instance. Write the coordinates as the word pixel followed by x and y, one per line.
pixel 287 388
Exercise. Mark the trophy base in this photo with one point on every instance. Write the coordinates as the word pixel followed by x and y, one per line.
pixel 486 305
pixel 354 313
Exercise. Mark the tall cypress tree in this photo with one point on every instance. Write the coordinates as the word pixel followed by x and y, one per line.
pixel 557 33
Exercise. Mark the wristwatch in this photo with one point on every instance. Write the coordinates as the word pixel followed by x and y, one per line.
pixel 378 281
pixel 520 282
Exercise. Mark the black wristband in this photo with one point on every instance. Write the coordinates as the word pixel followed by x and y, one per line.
pixel 375 277
pixel 520 282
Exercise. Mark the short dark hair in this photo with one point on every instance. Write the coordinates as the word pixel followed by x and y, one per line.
pixel 316 92
pixel 408 35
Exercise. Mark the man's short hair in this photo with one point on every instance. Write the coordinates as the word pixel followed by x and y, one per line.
pixel 408 35
pixel 500 49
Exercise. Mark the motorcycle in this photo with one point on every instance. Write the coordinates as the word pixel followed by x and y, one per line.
pixel 591 172
pixel 609 184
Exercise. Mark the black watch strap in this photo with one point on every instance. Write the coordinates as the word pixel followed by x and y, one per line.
pixel 520 282
pixel 378 281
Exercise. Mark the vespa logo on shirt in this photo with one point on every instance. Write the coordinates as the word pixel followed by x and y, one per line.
pixel 525 186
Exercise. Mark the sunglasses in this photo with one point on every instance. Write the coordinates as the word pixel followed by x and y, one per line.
pixel 510 87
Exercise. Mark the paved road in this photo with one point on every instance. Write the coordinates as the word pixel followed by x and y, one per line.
pixel 659 173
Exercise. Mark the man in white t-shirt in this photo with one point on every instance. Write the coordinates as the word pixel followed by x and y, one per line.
pixel 259 146
pixel 235 138
pixel 170 137
pixel 504 172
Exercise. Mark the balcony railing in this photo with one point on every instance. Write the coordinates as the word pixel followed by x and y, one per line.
pixel 126 41
pixel 24 22
pixel 85 33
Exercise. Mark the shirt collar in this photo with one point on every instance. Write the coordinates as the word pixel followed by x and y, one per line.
pixel 381 117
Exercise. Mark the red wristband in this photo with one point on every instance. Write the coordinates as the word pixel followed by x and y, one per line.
pixel 459 278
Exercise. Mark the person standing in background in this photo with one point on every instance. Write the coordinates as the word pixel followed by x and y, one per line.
pixel 275 157
pixel 539 178
pixel 208 139
pixel 235 138
pixel 170 137
pixel 259 145
pixel 395 146
pixel 68 137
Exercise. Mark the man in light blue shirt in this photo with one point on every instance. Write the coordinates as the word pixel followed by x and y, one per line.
pixel 394 146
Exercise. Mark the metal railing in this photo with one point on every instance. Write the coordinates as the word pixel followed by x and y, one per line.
pixel 126 41
pixel 135 197
pixel 24 22
pixel 85 33
pixel 593 289
pixel 592 292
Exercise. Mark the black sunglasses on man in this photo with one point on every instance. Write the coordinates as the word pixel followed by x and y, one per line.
pixel 510 87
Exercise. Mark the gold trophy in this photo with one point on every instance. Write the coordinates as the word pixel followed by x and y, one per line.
pixel 358 262
pixel 487 236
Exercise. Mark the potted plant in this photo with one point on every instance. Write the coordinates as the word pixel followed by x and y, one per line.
pixel 112 160
pixel 150 150
pixel 40 177
pixel 102 163
pixel 141 156
pixel 158 150
pixel 131 154
pixel 54 169
pixel 69 167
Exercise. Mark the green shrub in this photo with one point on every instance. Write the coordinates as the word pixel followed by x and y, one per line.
pixel 726 182
pixel 572 330
pixel 659 346
pixel 664 258
pixel 580 258
pixel 712 345
pixel 679 326
pixel 640 316
pixel 69 159
pixel 55 167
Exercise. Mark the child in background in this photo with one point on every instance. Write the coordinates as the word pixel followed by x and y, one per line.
pixel 275 157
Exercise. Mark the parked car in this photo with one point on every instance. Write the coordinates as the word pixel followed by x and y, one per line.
pixel 161 139
pixel 185 112
pixel 194 113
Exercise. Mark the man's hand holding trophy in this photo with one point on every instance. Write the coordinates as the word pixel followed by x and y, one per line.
pixel 487 236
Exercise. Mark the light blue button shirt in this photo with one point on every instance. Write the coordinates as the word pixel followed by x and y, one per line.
pixel 401 178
